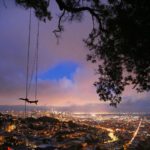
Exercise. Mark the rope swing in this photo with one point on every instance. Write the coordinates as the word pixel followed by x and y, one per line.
pixel 34 70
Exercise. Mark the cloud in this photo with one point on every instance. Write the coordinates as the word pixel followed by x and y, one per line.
pixel 65 91
pixel 13 48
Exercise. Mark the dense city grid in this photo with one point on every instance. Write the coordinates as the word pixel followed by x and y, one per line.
pixel 65 131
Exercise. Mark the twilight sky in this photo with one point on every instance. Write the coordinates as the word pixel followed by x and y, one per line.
pixel 65 77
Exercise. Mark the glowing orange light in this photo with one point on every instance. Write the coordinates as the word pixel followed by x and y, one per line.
pixel 9 148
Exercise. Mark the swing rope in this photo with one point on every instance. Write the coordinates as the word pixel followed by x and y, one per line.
pixel 34 72
pixel 28 62
pixel 28 56
pixel 37 58
pixel 34 69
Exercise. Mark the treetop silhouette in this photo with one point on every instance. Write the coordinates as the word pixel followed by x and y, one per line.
pixel 119 42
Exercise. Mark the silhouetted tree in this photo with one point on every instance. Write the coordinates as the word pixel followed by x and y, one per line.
pixel 119 42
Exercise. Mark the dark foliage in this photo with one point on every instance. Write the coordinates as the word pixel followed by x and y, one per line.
pixel 119 42
pixel 48 119
pixel 122 48
pixel 145 145
pixel 40 7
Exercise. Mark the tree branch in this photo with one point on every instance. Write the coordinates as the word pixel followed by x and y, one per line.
pixel 63 6
pixel 4 3
pixel 59 27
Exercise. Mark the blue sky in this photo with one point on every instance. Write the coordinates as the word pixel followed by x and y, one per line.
pixel 65 69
